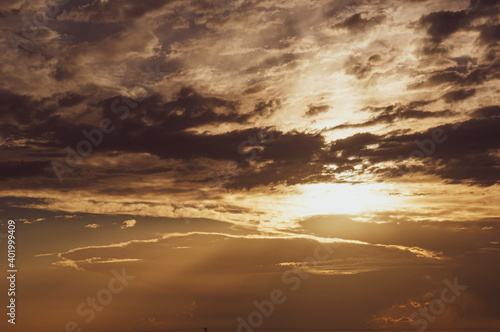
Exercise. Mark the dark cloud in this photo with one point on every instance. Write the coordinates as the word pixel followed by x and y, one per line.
pixel 268 108
pixel 120 10
pixel 362 66
pixel 430 48
pixel 61 73
pixel 23 169
pixel 357 69
pixel 375 58
pixel 71 99
pixel 86 32
pixel 463 152
pixel 458 95
pixel 439 78
pixel 360 22
pixel 353 142
pixel 465 61
pixel 23 109
pixel 487 112
pixel 289 157
pixel 254 88
pixel 442 24
pixel 397 112
pixel 271 62
pixel 9 201
pixel 480 168
pixel 458 76
pixel 293 146
pixel 490 34
pixel 188 110
pixel 315 110
pixel 484 7
pixel 164 129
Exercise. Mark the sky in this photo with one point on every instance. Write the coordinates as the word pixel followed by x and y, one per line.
pixel 247 164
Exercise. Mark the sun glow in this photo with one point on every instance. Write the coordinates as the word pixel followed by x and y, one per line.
pixel 344 198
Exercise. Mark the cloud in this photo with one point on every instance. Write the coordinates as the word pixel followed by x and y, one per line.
pixel 487 112
pixel 442 24
pixel 360 22
pixel 106 253
pixel 490 34
pixel 267 108
pixel 315 110
pixel 33 221
pixel 24 109
pixel 458 95
pixel 466 154
pixel 396 113
pixel 24 169
pixel 128 223
pixel 92 226
pixel 71 99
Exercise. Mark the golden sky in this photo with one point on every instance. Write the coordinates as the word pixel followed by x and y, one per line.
pixel 208 147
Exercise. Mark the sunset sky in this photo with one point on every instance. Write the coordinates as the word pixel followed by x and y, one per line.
pixel 208 148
